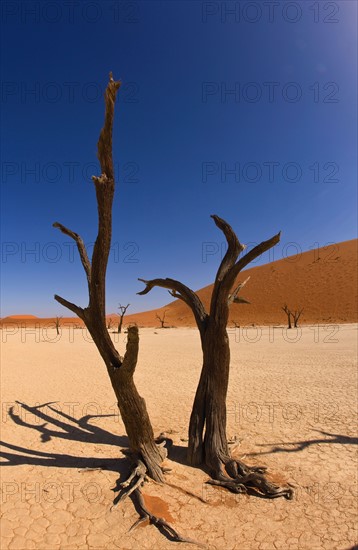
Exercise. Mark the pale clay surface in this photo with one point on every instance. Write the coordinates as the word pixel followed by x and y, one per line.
pixel 292 407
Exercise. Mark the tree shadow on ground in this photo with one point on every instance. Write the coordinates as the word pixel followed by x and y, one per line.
pixel 69 428
pixel 59 460
pixel 335 439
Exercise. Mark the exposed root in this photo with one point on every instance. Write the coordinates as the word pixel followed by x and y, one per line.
pixel 132 486
pixel 133 483
pixel 240 478
pixel 160 523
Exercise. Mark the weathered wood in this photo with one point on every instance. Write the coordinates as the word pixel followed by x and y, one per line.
pixel 207 427
pixel 121 370
pixel 233 297
pixel 81 249
pixel 178 290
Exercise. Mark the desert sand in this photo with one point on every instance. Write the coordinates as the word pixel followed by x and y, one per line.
pixel 291 406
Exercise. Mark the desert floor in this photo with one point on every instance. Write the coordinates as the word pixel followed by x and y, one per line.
pixel 291 407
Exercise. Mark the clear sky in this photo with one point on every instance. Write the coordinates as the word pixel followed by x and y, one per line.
pixel 242 109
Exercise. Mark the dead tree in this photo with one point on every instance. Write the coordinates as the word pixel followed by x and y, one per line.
pixel 120 369
pixel 162 318
pixel 123 310
pixel 288 313
pixel 146 453
pixel 296 315
pixel 208 444
pixel 109 323
pixel 57 324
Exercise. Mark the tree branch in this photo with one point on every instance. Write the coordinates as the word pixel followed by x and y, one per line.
pixel 233 297
pixel 131 355
pixel 104 145
pixel 241 300
pixel 80 246
pixel 230 277
pixel 104 185
pixel 179 290
pixel 227 263
pixel 76 309
pixel 234 247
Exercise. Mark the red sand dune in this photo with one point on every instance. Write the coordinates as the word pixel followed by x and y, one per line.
pixel 326 288
pixel 324 284
pixel 22 317
pixel 33 321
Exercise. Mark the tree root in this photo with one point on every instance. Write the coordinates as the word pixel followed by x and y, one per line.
pixel 132 486
pixel 240 478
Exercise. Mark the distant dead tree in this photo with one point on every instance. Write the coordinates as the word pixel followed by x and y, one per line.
pixel 57 324
pixel 296 315
pixel 162 318
pixel 289 314
pixel 123 310
pixel 147 454
pixel 236 324
pixel 109 323
pixel 208 445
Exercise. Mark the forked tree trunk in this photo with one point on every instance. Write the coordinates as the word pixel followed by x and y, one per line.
pixel 207 429
pixel 288 313
pixel 121 370
pixel 147 454
pixel 131 405
pixel 296 315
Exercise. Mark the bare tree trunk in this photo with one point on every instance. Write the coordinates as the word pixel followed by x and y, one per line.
pixel 296 315
pixel 162 319
pixel 289 314
pixel 121 370
pixel 131 405
pixel 207 428
pixel 123 310
pixel 147 454
pixel 57 325
pixel 209 408
pixel 120 324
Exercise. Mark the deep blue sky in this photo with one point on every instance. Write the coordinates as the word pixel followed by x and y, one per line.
pixel 177 129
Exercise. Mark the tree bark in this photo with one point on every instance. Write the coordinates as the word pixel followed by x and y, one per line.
pixel 120 324
pixel 120 370
pixel 207 428
pixel 131 405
